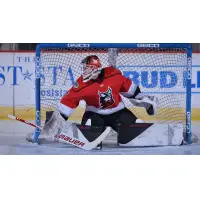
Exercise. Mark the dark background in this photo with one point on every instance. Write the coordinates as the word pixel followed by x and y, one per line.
pixel 32 46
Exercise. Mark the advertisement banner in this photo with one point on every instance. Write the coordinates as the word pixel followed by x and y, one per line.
pixel 17 83
pixel 6 84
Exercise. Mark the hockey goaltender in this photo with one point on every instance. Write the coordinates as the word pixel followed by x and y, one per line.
pixel 102 90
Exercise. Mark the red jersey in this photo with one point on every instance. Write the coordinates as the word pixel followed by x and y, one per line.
pixel 101 95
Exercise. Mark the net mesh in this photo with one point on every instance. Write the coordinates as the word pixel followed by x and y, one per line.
pixel 159 72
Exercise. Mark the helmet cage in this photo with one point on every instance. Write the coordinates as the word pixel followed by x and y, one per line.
pixel 91 68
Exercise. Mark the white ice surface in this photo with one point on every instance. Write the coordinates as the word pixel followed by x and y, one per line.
pixel 12 142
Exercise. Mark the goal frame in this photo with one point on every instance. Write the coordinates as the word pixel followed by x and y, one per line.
pixel 115 45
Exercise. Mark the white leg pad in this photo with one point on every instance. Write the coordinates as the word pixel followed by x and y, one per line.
pixel 159 135
pixel 55 124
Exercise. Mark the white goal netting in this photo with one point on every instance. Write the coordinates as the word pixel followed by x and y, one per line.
pixel 160 72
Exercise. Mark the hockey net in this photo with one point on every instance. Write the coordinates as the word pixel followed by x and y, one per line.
pixel 159 72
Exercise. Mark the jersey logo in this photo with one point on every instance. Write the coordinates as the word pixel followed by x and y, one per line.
pixel 106 98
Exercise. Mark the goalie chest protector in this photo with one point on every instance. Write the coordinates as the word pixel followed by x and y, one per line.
pixel 102 93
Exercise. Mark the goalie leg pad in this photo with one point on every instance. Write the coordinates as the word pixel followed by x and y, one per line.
pixel 152 135
pixel 54 124
pixel 128 133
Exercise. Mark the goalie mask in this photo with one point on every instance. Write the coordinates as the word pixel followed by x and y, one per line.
pixel 91 68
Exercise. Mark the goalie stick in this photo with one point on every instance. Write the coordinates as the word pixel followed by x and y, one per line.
pixel 69 139
pixel 23 121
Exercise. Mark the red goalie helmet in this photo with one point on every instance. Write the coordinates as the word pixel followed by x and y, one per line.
pixel 91 67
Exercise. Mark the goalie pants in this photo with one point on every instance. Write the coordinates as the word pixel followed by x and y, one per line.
pixel 122 117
